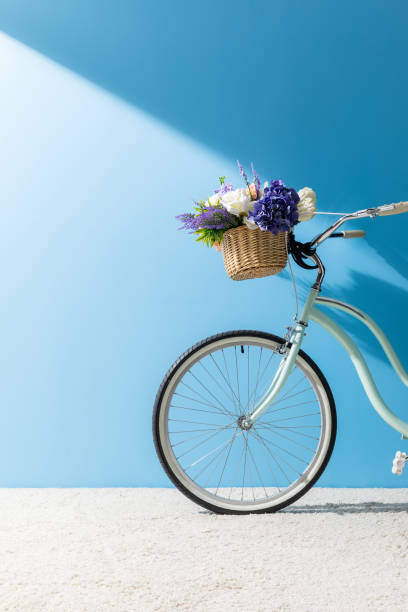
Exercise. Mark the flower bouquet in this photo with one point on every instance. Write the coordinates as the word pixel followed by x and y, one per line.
pixel 250 225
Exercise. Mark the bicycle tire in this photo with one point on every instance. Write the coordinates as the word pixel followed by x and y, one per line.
pixel 161 445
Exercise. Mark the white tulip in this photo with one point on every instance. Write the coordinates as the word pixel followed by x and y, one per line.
pixel 307 204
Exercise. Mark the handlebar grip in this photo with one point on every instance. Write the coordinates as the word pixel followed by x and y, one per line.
pixel 397 209
pixel 354 234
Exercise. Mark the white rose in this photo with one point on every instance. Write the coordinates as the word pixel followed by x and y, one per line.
pixel 307 204
pixel 237 202
pixel 250 223
pixel 213 200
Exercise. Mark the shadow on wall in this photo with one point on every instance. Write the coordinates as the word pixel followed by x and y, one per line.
pixel 298 91
pixel 386 304
pixel 273 81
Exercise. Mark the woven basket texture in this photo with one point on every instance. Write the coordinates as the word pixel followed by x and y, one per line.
pixel 253 253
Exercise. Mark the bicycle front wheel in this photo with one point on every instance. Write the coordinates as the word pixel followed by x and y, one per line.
pixel 200 431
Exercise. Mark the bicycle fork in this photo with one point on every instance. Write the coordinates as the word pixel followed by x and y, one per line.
pixel 290 351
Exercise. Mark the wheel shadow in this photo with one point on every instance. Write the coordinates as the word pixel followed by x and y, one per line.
pixel 361 508
pixel 358 508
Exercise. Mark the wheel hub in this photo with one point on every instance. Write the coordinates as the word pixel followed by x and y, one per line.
pixel 244 422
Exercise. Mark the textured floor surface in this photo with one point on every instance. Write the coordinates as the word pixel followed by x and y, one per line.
pixel 123 550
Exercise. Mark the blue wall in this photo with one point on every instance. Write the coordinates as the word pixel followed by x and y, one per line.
pixel 114 115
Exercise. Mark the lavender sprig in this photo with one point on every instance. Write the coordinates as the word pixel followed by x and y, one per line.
pixel 212 217
pixel 224 188
pixel 216 217
pixel 242 173
pixel 189 222
pixel 256 178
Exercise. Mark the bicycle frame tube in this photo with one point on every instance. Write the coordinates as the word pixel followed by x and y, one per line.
pixel 373 327
pixel 310 312
pixel 358 360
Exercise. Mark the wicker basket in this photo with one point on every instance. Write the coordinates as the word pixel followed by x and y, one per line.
pixel 253 253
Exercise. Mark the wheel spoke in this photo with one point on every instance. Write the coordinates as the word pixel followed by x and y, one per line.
pixel 236 469
pixel 209 392
pixel 300 416
pixel 298 427
pixel 285 451
pixel 298 433
pixel 193 430
pixel 236 368
pixel 281 435
pixel 245 462
pixel 215 381
pixel 194 409
pixel 247 406
pixel 219 430
pixel 225 463
pixel 222 446
pixel 293 386
pixel 191 399
pixel 249 469
pixel 205 433
pixel 195 422
pixel 257 377
pixel 228 377
pixel 262 375
pixel 257 471
pixel 221 410
pixel 268 412
pixel 290 396
pixel 260 441
pixel 227 446
pixel 234 397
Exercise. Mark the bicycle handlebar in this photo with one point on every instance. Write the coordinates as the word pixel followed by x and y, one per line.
pixel 353 234
pixel 396 209
pixel 386 209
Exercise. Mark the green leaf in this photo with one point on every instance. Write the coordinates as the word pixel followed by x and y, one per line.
pixel 222 179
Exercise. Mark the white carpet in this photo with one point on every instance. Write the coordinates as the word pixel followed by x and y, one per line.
pixel 126 550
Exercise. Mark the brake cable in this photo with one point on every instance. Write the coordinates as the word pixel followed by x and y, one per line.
pixel 301 251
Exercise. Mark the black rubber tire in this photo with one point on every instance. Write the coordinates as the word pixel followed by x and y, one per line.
pixel 158 403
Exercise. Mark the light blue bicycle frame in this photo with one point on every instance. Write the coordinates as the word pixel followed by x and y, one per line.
pixel 311 313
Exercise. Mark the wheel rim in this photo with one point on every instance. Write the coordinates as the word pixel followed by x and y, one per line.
pixel 207 443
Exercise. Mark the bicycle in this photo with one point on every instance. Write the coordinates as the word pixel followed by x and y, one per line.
pixel 245 421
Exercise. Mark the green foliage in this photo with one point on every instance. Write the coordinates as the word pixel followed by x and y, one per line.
pixel 209 236
pixel 222 179
pixel 201 205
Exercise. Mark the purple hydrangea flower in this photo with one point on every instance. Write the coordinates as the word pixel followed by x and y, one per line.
pixel 277 210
